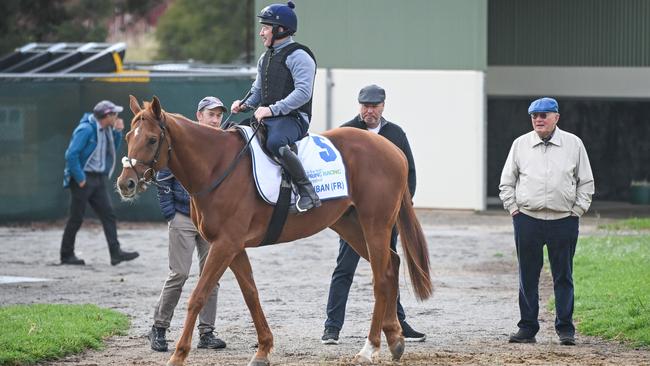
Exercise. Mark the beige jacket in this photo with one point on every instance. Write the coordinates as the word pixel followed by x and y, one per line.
pixel 547 182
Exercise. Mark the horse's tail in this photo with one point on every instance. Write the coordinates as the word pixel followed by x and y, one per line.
pixel 415 248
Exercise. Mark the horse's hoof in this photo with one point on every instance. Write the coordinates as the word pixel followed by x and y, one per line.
pixel 397 350
pixel 259 362
pixel 361 360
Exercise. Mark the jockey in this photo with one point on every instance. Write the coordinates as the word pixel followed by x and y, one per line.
pixel 283 90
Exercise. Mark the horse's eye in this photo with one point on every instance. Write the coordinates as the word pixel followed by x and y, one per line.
pixel 152 141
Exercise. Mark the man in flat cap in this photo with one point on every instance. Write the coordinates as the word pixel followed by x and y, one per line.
pixel 90 161
pixel 546 185
pixel 371 103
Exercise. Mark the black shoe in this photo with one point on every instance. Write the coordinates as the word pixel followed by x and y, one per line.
pixel 567 339
pixel 330 336
pixel 410 334
pixel 208 340
pixel 72 259
pixel 122 256
pixel 157 339
pixel 522 336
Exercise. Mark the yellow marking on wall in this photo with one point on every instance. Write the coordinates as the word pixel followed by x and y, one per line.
pixel 119 69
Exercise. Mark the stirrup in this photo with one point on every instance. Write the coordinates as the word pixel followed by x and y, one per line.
pixel 301 210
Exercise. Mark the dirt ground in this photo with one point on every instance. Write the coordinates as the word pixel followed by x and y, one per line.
pixel 467 321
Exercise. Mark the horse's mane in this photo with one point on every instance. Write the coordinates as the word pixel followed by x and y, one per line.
pixel 180 116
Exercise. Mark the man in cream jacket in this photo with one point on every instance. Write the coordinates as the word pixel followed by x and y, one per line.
pixel 546 185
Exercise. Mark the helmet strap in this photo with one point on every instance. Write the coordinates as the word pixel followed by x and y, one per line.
pixel 276 34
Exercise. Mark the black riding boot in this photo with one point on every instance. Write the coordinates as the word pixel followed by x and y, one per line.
pixel 307 197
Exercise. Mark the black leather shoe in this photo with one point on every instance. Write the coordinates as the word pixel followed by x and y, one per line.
pixel 330 336
pixel 72 259
pixel 157 339
pixel 410 334
pixel 567 339
pixel 122 256
pixel 208 340
pixel 522 336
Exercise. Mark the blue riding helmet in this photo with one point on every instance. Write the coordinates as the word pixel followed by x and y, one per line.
pixel 280 15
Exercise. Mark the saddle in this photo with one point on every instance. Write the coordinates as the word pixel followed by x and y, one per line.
pixel 321 160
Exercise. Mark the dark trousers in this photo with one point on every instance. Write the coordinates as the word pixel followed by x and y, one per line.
pixel 560 237
pixel 346 265
pixel 283 130
pixel 95 193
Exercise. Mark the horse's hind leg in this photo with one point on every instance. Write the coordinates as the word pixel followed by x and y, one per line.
pixel 384 281
pixel 241 267
pixel 391 326
pixel 219 257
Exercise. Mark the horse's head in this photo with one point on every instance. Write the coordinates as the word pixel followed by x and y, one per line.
pixel 148 148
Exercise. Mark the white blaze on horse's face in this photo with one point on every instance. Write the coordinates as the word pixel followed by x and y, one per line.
pixel 137 131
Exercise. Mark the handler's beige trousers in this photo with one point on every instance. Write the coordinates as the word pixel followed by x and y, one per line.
pixel 183 237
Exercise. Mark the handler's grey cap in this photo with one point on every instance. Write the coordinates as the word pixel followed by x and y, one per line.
pixel 211 103
pixel 372 94
pixel 105 107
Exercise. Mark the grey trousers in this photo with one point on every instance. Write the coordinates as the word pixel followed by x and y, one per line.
pixel 183 237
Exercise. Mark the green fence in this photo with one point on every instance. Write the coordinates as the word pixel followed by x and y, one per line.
pixel 37 118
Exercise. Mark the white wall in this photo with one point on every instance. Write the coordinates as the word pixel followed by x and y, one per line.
pixel 443 115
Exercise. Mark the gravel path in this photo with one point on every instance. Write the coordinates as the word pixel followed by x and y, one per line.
pixel 467 321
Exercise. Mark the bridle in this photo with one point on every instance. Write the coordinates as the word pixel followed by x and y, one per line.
pixel 128 162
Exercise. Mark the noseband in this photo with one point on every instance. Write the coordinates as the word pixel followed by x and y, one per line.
pixel 128 162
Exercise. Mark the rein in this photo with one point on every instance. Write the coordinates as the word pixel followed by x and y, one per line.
pixel 230 168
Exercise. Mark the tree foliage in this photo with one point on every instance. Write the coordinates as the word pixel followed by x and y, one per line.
pixel 206 30
pixel 24 21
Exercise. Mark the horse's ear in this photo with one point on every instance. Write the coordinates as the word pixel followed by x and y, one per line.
pixel 155 108
pixel 133 103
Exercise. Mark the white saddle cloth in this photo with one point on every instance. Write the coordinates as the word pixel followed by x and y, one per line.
pixel 320 158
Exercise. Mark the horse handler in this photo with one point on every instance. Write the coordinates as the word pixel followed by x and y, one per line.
pixel 183 238
pixel 283 88
pixel 89 161
pixel 546 185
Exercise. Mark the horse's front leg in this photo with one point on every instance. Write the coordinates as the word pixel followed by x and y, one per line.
pixel 241 267
pixel 219 258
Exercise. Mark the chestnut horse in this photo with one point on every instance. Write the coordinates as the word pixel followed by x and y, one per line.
pixel 233 217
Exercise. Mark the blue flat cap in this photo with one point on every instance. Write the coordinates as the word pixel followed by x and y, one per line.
pixel 372 94
pixel 545 104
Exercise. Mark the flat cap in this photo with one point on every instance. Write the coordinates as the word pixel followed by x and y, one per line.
pixel 372 94
pixel 544 105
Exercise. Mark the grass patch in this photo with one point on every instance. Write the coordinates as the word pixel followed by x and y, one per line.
pixel 34 333
pixel 634 223
pixel 612 284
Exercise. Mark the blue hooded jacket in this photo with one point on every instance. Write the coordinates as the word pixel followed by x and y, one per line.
pixel 82 145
